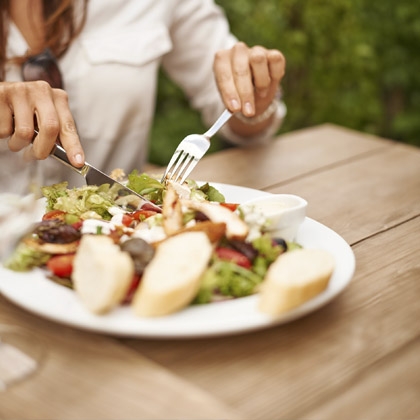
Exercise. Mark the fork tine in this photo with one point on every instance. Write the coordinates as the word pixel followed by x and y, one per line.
pixel 190 151
pixel 171 164
pixel 188 170
pixel 181 166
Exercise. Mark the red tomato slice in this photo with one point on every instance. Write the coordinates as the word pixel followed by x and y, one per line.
pixel 131 290
pixel 143 214
pixel 61 265
pixel 230 206
pixel 127 219
pixel 233 256
pixel 78 225
pixel 54 214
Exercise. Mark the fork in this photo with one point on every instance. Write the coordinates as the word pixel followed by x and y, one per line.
pixel 191 150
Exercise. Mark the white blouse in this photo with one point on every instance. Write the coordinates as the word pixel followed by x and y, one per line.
pixel 110 74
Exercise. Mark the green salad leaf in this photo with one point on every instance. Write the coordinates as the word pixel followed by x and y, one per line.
pixel 147 186
pixel 25 258
pixel 89 201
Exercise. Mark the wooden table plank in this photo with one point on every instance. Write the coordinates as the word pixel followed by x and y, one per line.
pixel 287 371
pixel 292 155
pixel 92 376
pixel 366 196
pixel 389 389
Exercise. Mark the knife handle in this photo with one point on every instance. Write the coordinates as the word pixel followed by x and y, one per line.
pixel 60 154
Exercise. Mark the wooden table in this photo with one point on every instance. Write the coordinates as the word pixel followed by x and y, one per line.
pixel 356 358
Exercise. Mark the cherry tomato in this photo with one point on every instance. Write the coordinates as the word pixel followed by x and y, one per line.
pixel 131 290
pixel 230 206
pixel 234 256
pixel 61 265
pixel 143 214
pixel 127 219
pixel 54 214
pixel 78 225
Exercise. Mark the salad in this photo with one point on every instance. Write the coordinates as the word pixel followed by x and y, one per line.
pixel 241 250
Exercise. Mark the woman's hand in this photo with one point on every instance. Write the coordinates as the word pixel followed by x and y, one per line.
pixel 26 106
pixel 248 78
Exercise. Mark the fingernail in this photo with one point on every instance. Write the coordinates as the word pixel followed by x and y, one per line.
pixel 235 105
pixel 78 159
pixel 249 111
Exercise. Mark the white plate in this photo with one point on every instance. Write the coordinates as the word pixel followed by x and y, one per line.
pixel 34 292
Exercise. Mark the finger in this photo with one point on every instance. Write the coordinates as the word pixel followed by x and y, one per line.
pixel 69 137
pixel 28 153
pixel 23 126
pixel 6 121
pixel 276 64
pixel 31 101
pixel 47 121
pixel 243 78
pixel 260 71
pixel 225 82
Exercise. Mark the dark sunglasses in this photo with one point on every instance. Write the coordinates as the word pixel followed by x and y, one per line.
pixel 43 66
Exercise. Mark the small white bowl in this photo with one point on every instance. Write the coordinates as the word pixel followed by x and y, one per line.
pixel 284 213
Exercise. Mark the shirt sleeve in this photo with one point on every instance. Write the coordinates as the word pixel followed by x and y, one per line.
pixel 198 30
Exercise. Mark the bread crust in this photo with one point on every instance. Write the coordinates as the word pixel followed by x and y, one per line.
pixel 294 278
pixel 172 279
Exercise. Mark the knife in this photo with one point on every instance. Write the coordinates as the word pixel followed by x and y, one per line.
pixel 94 176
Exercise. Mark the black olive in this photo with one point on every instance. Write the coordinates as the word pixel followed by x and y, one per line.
pixel 245 248
pixel 57 232
pixel 140 251
pixel 281 242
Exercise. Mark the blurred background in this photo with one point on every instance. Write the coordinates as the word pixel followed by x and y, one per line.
pixel 355 63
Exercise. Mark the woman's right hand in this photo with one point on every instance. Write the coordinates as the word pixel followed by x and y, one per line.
pixel 26 106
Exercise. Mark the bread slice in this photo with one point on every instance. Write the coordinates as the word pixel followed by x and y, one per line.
pixel 102 273
pixel 294 278
pixel 172 279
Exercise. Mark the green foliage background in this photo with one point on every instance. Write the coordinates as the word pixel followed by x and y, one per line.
pixel 355 63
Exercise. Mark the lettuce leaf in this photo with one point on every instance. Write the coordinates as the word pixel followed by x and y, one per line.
pixel 81 201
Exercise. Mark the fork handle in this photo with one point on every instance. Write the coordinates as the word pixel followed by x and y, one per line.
pixel 220 122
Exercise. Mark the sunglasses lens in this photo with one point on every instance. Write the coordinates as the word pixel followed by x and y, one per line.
pixel 42 67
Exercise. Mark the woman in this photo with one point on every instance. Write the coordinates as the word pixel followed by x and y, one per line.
pixel 108 53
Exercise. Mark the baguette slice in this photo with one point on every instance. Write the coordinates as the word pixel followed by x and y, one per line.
pixel 294 278
pixel 102 273
pixel 172 279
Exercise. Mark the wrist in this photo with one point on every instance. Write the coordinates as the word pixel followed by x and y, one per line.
pixel 264 116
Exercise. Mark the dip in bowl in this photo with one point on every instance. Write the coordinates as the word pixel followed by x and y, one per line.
pixel 281 214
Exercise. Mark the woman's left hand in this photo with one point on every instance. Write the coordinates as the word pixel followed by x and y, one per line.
pixel 248 78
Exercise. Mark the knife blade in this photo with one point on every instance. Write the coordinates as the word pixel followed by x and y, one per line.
pixel 94 176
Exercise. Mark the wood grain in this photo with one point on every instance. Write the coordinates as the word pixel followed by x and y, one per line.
pixel 363 197
pixel 292 155
pixel 92 376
